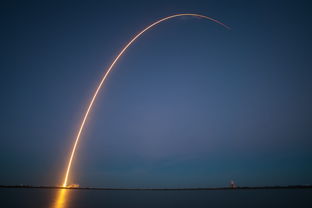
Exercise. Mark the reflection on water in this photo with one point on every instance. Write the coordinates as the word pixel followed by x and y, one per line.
pixel 75 198
pixel 61 200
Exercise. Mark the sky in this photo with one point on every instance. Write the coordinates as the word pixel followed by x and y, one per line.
pixel 190 104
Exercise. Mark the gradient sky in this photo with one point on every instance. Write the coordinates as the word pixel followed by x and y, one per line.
pixel 190 104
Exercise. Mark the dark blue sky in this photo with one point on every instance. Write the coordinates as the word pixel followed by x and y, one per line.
pixel 189 104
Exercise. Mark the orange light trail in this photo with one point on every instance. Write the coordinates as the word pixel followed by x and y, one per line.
pixel 107 73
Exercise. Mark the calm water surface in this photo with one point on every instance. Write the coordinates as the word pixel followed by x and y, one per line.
pixel 37 198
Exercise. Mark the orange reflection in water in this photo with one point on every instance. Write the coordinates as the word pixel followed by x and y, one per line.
pixel 61 200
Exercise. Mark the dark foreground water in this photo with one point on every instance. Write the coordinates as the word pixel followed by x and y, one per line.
pixel 37 198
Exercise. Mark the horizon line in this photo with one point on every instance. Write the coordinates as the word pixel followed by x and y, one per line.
pixel 308 186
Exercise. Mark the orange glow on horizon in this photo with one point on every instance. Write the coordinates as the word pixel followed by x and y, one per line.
pixel 72 155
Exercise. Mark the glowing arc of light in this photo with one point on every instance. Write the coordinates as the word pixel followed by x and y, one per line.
pixel 107 73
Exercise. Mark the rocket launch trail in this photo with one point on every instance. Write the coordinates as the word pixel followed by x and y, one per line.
pixel 90 105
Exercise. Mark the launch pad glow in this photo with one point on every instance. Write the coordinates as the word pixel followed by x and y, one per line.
pixel 86 114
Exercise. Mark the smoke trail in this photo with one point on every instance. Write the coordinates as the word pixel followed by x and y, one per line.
pixel 107 73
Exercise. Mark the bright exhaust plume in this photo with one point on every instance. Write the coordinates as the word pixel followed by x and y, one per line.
pixel 86 114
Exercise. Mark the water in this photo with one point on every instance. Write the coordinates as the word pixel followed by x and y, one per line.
pixel 45 198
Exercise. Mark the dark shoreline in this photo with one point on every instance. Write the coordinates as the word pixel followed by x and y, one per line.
pixel 159 189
